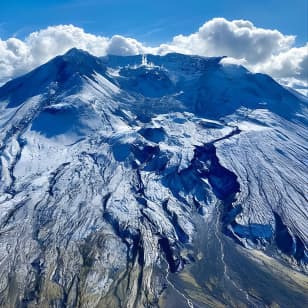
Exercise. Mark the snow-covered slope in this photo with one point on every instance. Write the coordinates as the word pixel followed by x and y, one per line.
pixel 108 166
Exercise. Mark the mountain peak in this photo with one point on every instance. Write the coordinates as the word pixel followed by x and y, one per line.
pixel 64 69
pixel 77 52
pixel 83 62
pixel 80 61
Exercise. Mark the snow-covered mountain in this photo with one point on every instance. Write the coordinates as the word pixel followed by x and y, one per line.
pixel 152 181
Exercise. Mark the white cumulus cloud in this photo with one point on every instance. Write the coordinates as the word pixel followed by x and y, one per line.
pixel 237 39
pixel 260 50
pixel 124 46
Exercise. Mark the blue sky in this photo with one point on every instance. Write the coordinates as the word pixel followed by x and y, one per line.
pixel 153 21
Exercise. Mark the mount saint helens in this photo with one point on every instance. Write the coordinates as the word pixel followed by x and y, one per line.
pixel 171 181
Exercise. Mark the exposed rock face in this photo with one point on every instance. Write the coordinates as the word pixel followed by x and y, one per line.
pixel 108 166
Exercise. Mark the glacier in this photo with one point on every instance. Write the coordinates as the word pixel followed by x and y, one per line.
pixel 126 181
